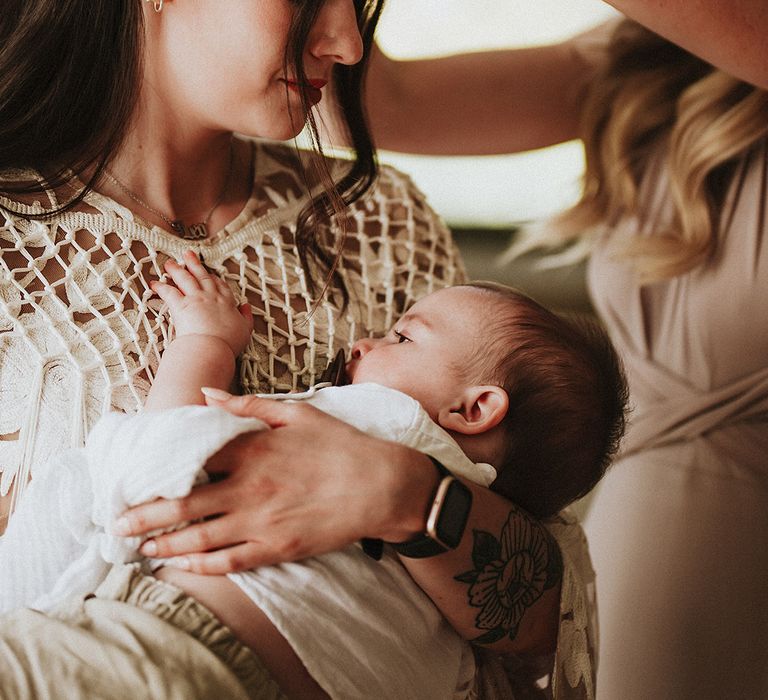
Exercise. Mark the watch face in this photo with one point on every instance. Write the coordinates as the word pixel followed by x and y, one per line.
pixel 453 514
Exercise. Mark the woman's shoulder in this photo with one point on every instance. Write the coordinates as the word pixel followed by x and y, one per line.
pixel 282 166
pixel 24 192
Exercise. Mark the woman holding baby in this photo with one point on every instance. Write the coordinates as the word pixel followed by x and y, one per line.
pixel 117 154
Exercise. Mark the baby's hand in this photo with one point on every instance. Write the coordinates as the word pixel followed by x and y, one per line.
pixel 203 304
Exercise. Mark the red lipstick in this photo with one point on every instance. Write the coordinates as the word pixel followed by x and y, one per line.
pixel 312 88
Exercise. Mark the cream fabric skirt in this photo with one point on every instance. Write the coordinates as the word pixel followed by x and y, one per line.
pixel 135 637
pixel 679 541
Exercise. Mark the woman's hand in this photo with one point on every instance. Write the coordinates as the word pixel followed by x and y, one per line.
pixel 311 485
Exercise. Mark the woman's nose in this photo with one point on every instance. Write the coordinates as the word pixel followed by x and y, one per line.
pixel 335 33
pixel 362 347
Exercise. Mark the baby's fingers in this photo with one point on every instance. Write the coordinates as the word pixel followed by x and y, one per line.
pixel 167 292
pixel 182 278
pixel 204 278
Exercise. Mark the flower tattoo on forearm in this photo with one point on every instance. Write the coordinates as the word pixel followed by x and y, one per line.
pixel 510 574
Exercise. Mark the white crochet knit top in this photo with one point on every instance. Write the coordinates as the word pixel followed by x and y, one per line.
pixel 81 333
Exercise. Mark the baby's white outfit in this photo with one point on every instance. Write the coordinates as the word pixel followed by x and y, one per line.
pixel 362 628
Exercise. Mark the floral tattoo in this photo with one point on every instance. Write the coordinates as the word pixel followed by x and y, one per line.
pixel 510 575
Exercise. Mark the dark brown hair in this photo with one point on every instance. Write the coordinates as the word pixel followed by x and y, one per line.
pixel 567 400
pixel 70 74
pixel 69 80
pixel 314 220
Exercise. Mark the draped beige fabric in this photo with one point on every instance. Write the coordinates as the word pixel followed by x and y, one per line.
pixel 678 529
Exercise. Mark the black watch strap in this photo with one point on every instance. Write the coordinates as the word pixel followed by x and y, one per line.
pixel 446 519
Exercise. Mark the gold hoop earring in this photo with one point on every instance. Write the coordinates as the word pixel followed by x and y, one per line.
pixel 157 4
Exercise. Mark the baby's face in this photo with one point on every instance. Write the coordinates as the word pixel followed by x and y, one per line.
pixel 426 353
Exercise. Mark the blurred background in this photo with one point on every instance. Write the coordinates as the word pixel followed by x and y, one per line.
pixel 484 199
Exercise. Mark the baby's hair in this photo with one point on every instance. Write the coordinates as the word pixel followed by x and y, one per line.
pixel 567 400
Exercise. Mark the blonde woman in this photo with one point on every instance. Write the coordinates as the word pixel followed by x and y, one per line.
pixel 674 212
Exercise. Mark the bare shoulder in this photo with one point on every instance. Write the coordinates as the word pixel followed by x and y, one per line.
pixel 392 193
pixel 400 185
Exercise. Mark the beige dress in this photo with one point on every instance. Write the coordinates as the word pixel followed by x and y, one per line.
pixel 679 527
pixel 81 332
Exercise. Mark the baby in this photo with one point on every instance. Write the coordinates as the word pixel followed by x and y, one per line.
pixel 539 397
pixel 474 376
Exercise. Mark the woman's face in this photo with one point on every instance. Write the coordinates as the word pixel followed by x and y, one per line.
pixel 222 62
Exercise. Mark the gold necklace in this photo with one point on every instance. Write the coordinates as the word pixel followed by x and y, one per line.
pixel 193 232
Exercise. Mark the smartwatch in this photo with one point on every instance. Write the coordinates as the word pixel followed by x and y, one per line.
pixel 446 519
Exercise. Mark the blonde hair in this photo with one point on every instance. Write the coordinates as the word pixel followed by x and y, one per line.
pixel 652 93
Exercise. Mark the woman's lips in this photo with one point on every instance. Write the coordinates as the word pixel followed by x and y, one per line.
pixel 312 88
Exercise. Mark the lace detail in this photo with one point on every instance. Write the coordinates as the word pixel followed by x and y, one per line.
pixel 575 662
pixel 570 675
pixel 82 334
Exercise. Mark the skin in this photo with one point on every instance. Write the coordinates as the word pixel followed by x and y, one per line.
pixel 697 25
pixel 277 487
pixel 209 327
pixel 507 101
pixel 426 355
pixel 201 84
pixel 423 354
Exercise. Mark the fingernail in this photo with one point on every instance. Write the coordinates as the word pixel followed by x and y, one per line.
pixel 178 562
pixel 149 548
pixel 121 527
pixel 215 394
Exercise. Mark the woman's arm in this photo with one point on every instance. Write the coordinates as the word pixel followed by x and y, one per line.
pixel 506 572
pixel 511 100
pixel 478 103
pixel 730 35
pixel 292 492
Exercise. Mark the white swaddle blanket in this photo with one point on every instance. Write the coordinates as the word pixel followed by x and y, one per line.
pixel 58 542
pixel 362 628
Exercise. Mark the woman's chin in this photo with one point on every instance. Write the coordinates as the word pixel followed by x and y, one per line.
pixel 285 131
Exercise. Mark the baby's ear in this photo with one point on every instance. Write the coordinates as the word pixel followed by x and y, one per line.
pixel 475 411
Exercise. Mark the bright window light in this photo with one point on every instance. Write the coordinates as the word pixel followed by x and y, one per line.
pixel 489 190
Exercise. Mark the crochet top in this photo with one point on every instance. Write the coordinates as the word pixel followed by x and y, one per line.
pixel 81 333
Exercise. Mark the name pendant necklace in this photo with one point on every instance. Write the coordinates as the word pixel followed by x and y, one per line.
pixel 193 232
